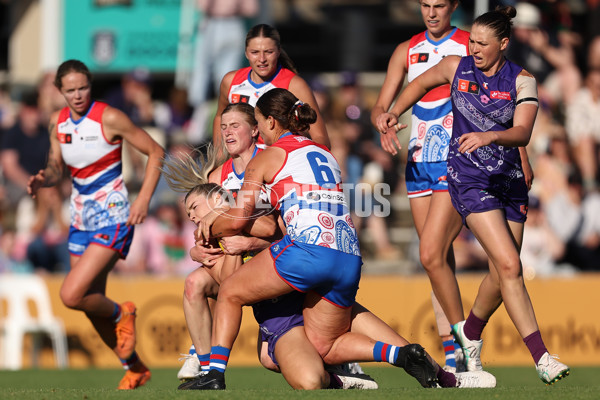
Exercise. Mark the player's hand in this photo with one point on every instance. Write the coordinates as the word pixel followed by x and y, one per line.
pixel 35 183
pixel 389 140
pixel 207 255
pixel 470 142
pixel 528 173
pixel 235 245
pixel 137 212
pixel 203 234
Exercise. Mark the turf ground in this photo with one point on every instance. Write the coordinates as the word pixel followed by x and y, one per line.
pixel 257 383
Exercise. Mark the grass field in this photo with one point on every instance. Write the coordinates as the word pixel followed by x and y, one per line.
pixel 257 383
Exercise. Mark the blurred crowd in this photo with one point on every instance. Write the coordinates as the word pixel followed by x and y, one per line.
pixel 562 233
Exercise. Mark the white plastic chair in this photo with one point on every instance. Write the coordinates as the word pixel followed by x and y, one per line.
pixel 17 290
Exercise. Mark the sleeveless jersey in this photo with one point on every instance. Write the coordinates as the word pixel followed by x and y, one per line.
pixel 480 104
pixel 99 196
pixel 231 180
pixel 244 90
pixel 432 115
pixel 307 191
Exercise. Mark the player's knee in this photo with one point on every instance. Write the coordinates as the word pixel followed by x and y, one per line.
pixel 431 257
pixel 308 380
pixel 196 287
pixel 509 269
pixel 70 299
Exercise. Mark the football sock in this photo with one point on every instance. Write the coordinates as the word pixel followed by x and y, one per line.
pixel 129 362
pixel 449 352
pixel 219 356
pixel 116 315
pixel 536 346
pixel 474 326
pixel 446 379
pixel 204 361
pixel 334 382
pixel 385 352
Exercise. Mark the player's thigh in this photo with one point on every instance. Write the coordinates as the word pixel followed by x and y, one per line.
pixel 200 283
pixel 255 281
pixel 89 271
pixel 419 207
pixel 324 322
pixel 299 361
pixel 443 222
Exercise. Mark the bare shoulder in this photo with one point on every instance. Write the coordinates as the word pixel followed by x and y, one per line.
pixel 215 175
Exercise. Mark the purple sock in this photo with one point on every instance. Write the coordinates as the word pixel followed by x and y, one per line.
pixel 473 327
pixel 536 346
pixel 446 379
pixel 334 382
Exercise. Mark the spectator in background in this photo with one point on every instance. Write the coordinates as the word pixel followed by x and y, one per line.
pixel 550 56
pixel 583 128
pixel 50 99
pixel 574 218
pixel 134 97
pixel 7 113
pixel 364 154
pixel 24 148
pixel 219 48
pixel 160 246
pixel 48 233
pixel 542 248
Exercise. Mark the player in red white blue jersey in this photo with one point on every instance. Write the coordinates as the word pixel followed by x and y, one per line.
pixel 86 137
pixel 270 67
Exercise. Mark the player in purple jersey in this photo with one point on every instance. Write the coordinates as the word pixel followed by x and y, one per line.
pixel 495 104
pixel 436 222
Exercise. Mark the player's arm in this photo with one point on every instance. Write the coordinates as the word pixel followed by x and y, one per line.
pixel 394 79
pixel 318 131
pixel 440 74
pixel 117 125
pixel 55 166
pixel 524 118
pixel 243 215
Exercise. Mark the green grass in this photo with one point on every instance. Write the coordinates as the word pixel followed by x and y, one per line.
pixel 257 383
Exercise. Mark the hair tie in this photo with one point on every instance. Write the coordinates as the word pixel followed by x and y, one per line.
pixel 295 107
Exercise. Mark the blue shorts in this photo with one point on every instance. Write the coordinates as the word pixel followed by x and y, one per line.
pixel 424 178
pixel 117 237
pixel 331 273
pixel 277 316
pixel 468 199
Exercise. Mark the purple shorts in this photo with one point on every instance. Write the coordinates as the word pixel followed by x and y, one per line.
pixel 277 316
pixel 117 237
pixel 470 198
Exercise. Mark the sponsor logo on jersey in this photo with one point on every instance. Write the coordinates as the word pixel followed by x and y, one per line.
pixel 468 86
pixel 419 58
pixel 238 98
pixel 494 94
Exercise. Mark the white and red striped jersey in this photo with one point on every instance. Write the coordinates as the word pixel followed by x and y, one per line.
pixel 99 196
pixel 244 90
pixel 307 190
pixel 432 115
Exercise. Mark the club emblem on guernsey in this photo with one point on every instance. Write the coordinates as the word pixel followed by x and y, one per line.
pixel 468 86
